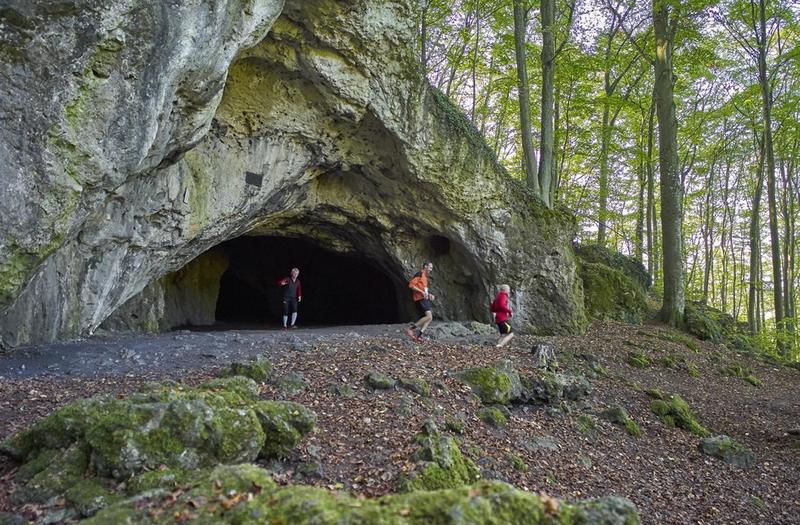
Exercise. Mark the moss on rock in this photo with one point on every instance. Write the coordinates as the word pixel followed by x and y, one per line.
pixel 284 424
pixel 611 295
pixel 633 269
pixel 440 463
pixel 418 386
pixel 173 428
pixel 497 384
pixel 620 417
pixel 728 450
pixel 245 494
pixel 493 416
pixel 259 370
pixel 735 369
pixel 674 411
pixel 379 381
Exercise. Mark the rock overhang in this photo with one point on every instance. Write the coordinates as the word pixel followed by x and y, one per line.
pixel 325 131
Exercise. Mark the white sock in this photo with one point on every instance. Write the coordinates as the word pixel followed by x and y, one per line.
pixel 284 320
pixel 294 317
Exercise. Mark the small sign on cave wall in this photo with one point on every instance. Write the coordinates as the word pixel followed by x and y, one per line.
pixel 254 179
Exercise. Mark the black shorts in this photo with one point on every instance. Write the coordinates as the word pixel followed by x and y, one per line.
pixel 504 327
pixel 289 305
pixel 424 305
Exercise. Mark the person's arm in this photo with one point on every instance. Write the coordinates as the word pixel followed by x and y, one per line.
pixel 299 291
pixel 282 282
pixel 414 285
pixel 504 305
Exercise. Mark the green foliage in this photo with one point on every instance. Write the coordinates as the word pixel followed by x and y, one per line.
pixel 585 424
pixel 638 360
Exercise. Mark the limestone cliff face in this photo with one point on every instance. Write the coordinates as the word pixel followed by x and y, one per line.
pixel 149 134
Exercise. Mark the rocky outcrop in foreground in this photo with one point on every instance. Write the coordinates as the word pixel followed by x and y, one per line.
pixel 183 454
pixel 138 138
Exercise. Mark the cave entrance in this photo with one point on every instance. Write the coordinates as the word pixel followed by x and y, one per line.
pixel 337 289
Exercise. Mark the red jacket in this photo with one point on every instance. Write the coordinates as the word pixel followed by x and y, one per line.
pixel 298 287
pixel 500 307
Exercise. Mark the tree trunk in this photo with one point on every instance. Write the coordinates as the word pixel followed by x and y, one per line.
pixel 475 61
pixel 602 198
pixel 766 105
pixel 524 98
pixel 671 190
pixel 755 231
pixel 651 197
pixel 548 100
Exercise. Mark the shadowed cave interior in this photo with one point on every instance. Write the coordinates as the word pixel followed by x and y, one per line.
pixel 337 289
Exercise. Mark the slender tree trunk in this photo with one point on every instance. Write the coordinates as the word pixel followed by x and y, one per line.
pixel 723 240
pixel 524 98
pixel 708 231
pixel 766 105
pixel 671 190
pixel 641 177
pixel 602 198
pixel 651 198
pixel 554 182
pixel 755 254
pixel 548 100
pixel 475 60
pixel 423 35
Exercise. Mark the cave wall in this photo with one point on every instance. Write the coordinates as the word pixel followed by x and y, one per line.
pixel 325 130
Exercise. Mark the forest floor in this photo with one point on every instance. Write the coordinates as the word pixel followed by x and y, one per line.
pixel 363 439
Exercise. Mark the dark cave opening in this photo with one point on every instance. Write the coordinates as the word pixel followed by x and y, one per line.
pixel 337 289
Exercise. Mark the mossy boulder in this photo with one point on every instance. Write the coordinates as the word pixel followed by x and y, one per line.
pixel 291 383
pixel 418 386
pixel 707 323
pixel 609 294
pixel 494 416
pixel 76 450
pixel 675 412
pixel 552 388
pixel 246 494
pixel 284 424
pixel 379 381
pixel 632 268
pixel 735 369
pixel 259 370
pixel 620 417
pixel 728 450
pixel 498 384
pixel 440 463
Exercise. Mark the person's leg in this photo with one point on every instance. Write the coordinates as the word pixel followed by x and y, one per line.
pixel 506 334
pixel 285 312
pixel 293 310
pixel 503 341
pixel 423 323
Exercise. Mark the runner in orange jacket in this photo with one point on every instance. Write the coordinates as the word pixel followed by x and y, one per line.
pixel 422 299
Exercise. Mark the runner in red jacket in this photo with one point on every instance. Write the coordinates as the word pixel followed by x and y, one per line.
pixel 501 311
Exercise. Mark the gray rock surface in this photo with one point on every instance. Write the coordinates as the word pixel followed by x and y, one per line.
pixel 728 450
pixel 138 136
